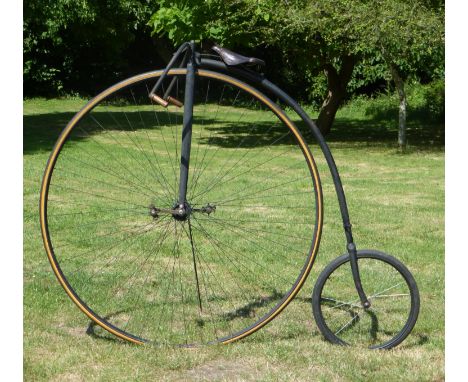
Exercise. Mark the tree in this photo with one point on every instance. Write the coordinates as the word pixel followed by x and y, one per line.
pixel 319 36
pixel 301 30
pixel 80 44
pixel 409 36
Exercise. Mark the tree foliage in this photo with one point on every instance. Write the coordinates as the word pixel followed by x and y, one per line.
pixel 336 37
pixel 319 50
pixel 409 36
pixel 78 44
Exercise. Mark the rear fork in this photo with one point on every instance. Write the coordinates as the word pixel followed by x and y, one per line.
pixel 352 252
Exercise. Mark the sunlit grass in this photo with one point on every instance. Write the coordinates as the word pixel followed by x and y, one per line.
pixel 397 206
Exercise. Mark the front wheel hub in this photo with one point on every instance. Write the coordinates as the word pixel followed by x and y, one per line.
pixel 182 211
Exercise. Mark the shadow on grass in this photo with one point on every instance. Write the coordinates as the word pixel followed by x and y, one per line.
pixel 102 334
pixel 41 131
pixel 420 339
pixel 423 135
pixel 248 310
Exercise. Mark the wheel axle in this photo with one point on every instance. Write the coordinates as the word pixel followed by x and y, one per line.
pixel 180 211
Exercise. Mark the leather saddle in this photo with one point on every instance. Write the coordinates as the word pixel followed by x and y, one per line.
pixel 231 58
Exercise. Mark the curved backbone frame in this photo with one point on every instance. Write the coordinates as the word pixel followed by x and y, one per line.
pixel 259 79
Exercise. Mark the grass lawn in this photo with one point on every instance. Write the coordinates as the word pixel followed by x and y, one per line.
pixel 396 203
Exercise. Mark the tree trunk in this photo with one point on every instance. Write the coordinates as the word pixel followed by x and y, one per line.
pixel 336 92
pixel 400 86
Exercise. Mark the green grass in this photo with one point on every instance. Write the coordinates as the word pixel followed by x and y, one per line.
pixel 396 203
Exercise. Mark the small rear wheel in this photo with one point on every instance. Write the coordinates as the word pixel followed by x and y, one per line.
pixel 391 290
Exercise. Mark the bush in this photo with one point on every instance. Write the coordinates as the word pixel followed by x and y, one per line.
pixel 434 99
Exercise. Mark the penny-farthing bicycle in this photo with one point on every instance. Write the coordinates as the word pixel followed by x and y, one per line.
pixel 184 207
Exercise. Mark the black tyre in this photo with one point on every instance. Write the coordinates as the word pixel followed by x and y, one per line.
pixel 391 290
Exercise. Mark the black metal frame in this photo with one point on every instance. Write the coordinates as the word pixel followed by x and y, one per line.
pixel 192 60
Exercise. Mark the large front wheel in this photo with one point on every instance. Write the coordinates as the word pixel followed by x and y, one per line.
pixel 391 290
pixel 243 244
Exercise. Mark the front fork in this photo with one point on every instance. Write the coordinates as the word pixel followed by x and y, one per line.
pixel 187 126
pixel 188 59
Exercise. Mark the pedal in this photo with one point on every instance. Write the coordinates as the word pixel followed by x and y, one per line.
pixel 174 101
pixel 159 100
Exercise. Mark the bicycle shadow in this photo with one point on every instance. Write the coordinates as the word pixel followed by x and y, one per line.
pixel 100 333
pixel 248 310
